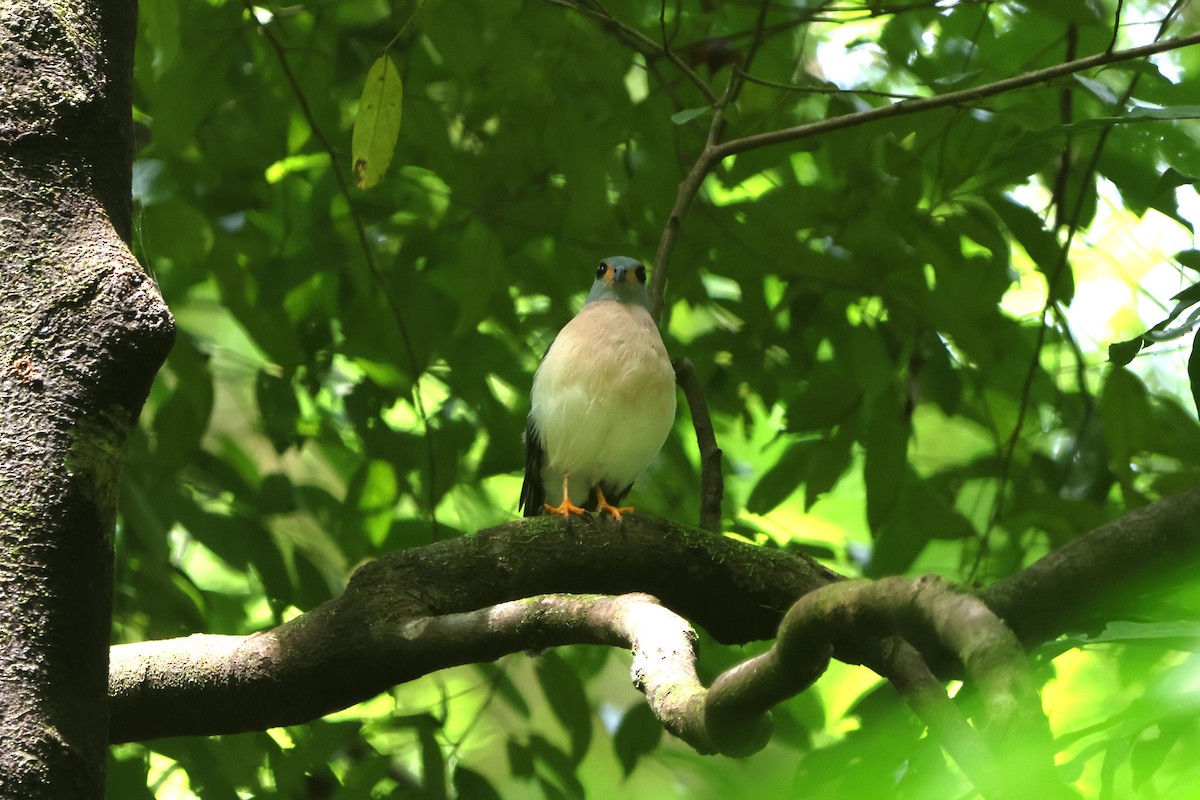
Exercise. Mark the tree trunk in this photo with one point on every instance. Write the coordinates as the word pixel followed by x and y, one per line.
pixel 82 333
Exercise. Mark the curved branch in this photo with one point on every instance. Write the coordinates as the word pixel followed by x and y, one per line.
pixel 925 609
pixel 219 671
pixel 348 649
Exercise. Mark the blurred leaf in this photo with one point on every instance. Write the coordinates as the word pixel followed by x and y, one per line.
pixel 638 734
pixel 783 478
pixel 1189 259
pixel 555 769
pixel 567 700
pixel 689 114
pixel 1121 353
pixel 470 784
pixel 1125 410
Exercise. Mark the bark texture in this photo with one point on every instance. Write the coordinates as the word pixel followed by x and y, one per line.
pixel 82 333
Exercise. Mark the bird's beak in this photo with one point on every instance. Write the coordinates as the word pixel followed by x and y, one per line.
pixel 618 274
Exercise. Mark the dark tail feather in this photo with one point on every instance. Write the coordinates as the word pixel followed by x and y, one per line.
pixel 533 493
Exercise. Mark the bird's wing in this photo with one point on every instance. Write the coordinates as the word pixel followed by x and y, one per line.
pixel 533 493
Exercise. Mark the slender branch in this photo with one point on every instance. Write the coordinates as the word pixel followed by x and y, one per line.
pixel 712 482
pixel 797 87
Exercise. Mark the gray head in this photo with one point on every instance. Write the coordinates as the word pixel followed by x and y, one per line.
pixel 621 279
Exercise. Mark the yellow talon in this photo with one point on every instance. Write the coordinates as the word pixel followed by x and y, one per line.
pixel 603 505
pixel 566 507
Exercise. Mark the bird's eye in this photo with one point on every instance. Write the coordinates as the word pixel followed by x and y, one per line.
pixel 641 274
pixel 600 270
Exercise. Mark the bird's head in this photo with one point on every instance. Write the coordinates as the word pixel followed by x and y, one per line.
pixel 621 279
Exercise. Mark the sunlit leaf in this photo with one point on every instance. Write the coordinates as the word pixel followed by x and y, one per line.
pixel 377 124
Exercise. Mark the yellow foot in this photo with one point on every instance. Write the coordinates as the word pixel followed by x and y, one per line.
pixel 603 505
pixel 564 509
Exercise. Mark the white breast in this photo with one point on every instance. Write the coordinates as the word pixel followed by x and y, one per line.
pixel 603 399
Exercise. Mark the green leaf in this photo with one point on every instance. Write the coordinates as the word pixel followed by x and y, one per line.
pixel 1163 198
pixel 276 398
pixel 567 700
pixel 783 478
pixel 828 398
pixel 827 463
pixel 377 124
pixel 1121 353
pixel 520 759
pixel 638 734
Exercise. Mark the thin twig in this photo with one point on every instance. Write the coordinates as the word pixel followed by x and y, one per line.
pixel 760 35
pixel 796 87
pixel 1112 43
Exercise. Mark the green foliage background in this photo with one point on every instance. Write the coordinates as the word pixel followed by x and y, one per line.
pixel 867 312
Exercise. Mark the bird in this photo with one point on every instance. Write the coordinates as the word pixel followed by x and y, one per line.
pixel 602 402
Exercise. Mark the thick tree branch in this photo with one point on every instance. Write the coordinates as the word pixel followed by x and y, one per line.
pixel 409 613
pixel 230 670
pixel 1082 584
pixel 926 609
pixel 345 650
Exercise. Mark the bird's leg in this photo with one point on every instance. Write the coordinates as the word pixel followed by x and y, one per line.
pixel 566 507
pixel 603 505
